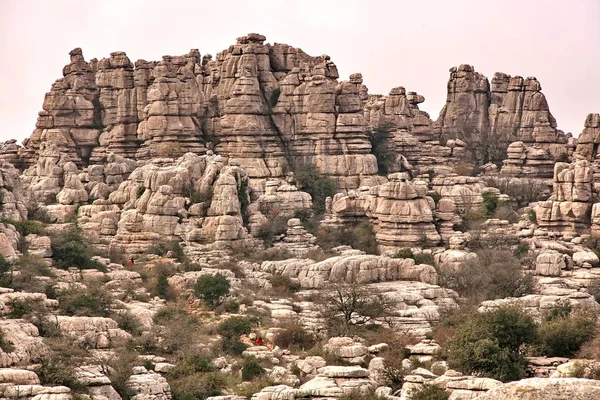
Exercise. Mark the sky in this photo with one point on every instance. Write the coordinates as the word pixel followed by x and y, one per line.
pixel 392 43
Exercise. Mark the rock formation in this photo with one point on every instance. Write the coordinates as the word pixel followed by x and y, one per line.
pixel 488 118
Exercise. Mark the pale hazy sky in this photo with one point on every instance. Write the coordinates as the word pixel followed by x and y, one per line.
pixel 392 43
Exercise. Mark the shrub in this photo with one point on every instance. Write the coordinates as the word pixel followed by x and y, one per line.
pixel 318 186
pixel 26 227
pixel 346 306
pixel 120 368
pixel 231 329
pixel 251 369
pixel 360 236
pixel 191 365
pixel 57 368
pixel 284 283
pixel 197 386
pixel 294 336
pixel 244 199
pixel 37 212
pixel 490 202
pixel 180 333
pixel 430 392
pixel 69 249
pixel 5 269
pixel 128 322
pixel 424 258
pixel 169 248
pixel 19 308
pixel 489 343
pixel 271 229
pixel 381 140
pixel 494 274
pixel 94 301
pixel 212 289
pixel 562 335
pixel 30 269
pixel 358 395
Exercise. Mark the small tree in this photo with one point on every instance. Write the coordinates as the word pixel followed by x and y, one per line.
pixel 69 249
pixel 231 329
pixel 212 289
pixel 251 369
pixel 564 331
pixel 349 305
pixel 490 343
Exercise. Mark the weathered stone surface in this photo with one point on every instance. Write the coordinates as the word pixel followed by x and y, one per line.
pixel 401 212
pixel 568 209
pixel 589 138
pixel 546 389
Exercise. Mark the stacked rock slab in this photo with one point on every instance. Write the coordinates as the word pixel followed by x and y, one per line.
pixel 527 161
pixel 589 140
pixel 170 126
pixel 407 131
pixel 489 119
pixel 401 212
pixel 69 118
pixel 260 105
pixel 568 209
pixel 118 102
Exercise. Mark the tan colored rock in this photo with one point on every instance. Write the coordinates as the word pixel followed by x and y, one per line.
pixel 546 389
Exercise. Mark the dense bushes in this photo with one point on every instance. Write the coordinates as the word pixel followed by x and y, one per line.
pixel 494 274
pixel 490 343
pixel 69 249
pixel 251 369
pixel 212 289
pixel 230 330
pixel 562 334
pixel 430 392
pixel 380 139
pixel 91 302
pixel 360 236
pixel 294 336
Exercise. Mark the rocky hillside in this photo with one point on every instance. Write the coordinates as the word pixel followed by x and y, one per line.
pixel 250 227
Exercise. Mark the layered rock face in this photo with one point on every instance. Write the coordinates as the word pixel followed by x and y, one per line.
pixel 589 139
pixel 407 132
pixel 401 212
pixel 261 105
pixel 568 209
pixel 488 118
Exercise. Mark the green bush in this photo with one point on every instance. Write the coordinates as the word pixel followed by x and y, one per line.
pixel 120 369
pixel 212 289
pixel 490 343
pixel 251 369
pixel 430 392
pixel 192 365
pixel 318 186
pixel 69 249
pixel 563 333
pixel 92 302
pixel 5 269
pixel 490 202
pixel 26 227
pixel 494 274
pixel 244 199
pixel 19 308
pixel 296 337
pixel 381 140
pixel 231 329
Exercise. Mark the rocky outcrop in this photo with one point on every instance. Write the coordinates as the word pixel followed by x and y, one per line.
pixel 527 161
pixel 261 105
pixel 490 117
pixel 568 209
pixel 546 389
pixel 401 212
pixel 589 139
